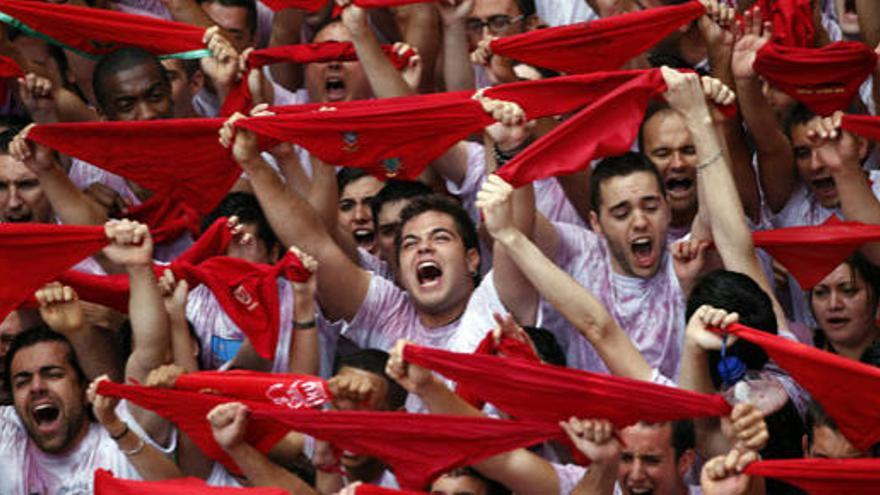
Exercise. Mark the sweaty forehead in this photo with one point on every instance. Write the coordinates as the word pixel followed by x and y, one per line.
pixel 12 170
pixel 663 126
pixel 132 81
pixel 39 355
pixel 486 8
pixel 333 32
pixel 632 187
pixel 647 439
pixel 427 222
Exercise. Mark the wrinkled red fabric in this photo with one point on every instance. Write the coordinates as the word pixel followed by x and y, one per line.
pixel 180 159
pixel 32 254
pixel 824 79
pixel 506 347
pixel 846 388
pixel 810 253
pixel 167 219
pixel 395 137
pixel 544 392
pixel 864 125
pixel 606 127
pixel 822 476
pixel 416 447
pixel 309 5
pixel 602 44
pixel 107 484
pixel 99 31
pixel 9 68
pixel 282 389
pixel 248 293
pixel 112 290
pixel 240 99
pixel 378 490
pixel 189 410
pixel 328 51
pixel 792 21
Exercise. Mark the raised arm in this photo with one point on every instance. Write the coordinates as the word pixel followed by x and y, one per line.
pixel 304 352
pixel 342 285
pixel 286 30
pixel 842 153
pixel 420 28
pixel 520 470
pixel 458 73
pixel 776 164
pixel 70 204
pixel 95 348
pixel 384 79
pixel 572 300
pixel 716 189
pixel 151 464
pixel 229 424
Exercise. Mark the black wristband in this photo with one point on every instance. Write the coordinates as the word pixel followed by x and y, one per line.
pixel 304 325
pixel 118 437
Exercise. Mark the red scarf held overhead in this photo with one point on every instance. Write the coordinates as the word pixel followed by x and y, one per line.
pixel 9 69
pixel 98 31
pixel 112 290
pixel 107 484
pixel 32 254
pixel 824 79
pixel 864 125
pixel 282 389
pixel 307 5
pixel 417 447
pixel 810 253
pixel 506 347
pixel 606 127
pixel 792 21
pixel 544 392
pixel 178 159
pixel 189 411
pixel 603 44
pixel 846 388
pixel 822 476
pixel 240 98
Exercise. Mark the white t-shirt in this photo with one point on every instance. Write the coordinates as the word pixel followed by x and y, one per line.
pixel 651 311
pixel 388 314
pixel 564 12
pixel 25 469
pixel 220 338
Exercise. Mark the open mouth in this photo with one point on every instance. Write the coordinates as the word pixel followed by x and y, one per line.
pixel 837 321
pixel 641 491
pixel 643 252
pixel 364 237
pixel 824 187
pixel 334 88
pixel 428 273
pixel 19 218
pixel 679 186
pixel 45 416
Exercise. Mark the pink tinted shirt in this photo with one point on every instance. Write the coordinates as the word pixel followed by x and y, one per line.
pixel 651 311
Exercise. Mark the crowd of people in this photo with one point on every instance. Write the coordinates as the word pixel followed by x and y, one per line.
pixel 327 280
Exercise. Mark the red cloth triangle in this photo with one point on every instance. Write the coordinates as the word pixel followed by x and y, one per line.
pixel 792 21
pixel 189 411
pixel 847 389
pixel 282 389
pixel 822 476
pixel 417 447
pixel 99 31
pixel 167 219
pixel 812 252
pixel 606 127
pixel 824 79
pixel 180 159
pixel 32 254
pixel 366 489
pixel 602 44
pixel 107 484
pixel 307 5
pixel 864 125
pixel 9 68
pixel 543 392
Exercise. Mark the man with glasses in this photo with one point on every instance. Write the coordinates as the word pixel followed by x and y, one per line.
pixel 490 19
